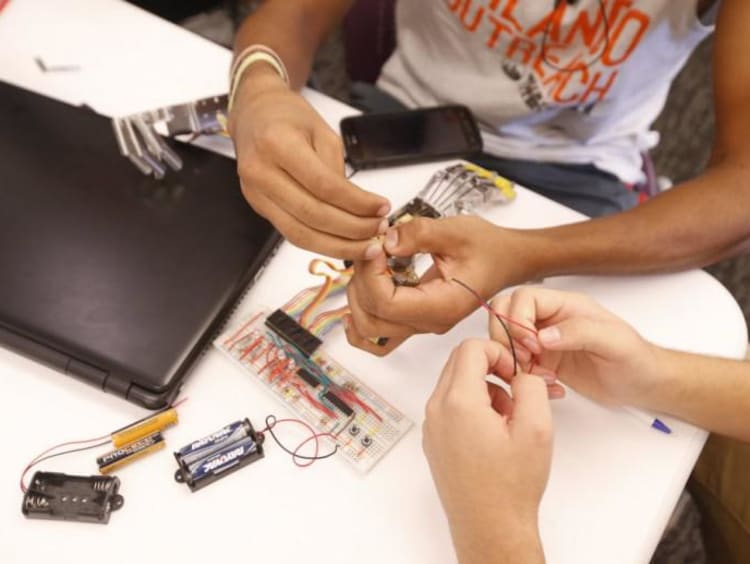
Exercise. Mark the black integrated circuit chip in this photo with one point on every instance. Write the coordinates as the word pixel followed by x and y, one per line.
pixel 309 378
pixel 292 332
pixel 340 404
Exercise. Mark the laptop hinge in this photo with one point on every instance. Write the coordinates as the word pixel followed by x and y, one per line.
pixel 33 349
pixel 118 386
pixel 87 372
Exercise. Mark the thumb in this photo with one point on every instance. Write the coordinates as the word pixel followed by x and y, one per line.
pixel 420 235
pixel 376 266
pixel 580 334
pixel 532 416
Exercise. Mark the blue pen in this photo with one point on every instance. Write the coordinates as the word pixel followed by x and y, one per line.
pixel 650 420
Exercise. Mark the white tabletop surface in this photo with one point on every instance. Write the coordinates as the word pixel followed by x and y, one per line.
pixel 613 483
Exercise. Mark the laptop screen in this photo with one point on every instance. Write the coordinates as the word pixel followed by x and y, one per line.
pixel 107 274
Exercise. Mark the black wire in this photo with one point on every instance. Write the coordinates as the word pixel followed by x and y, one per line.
pixel 71 451
pixel 549 63
pixel 510 340
pixel 271 422
pixel 488 307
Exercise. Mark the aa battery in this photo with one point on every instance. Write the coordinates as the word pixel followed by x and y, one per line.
pixel 120 457
pixel 144 427
pixel 216 455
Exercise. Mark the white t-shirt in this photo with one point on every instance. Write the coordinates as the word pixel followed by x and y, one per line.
pixel 487 54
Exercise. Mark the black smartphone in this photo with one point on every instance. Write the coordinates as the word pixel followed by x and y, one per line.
pixel 410 136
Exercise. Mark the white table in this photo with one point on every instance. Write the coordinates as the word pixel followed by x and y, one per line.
pixel 613 484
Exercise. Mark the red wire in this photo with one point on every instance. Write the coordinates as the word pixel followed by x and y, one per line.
pixel 352 396
pixel 255 358
pixel 38 457
pixel 488 307
pixel 314 436
pixel 238 335
pixel 34 460
pixel 313 401
pixel 178 403
pixel 510 320
pixel 269 361
pixel 250 347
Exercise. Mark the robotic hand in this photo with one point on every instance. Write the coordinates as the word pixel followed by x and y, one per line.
pixel 456 190
pixel 139 136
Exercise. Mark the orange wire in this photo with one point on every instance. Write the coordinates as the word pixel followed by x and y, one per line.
pixel 325 289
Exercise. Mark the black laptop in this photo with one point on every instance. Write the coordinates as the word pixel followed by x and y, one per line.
pixel 107 275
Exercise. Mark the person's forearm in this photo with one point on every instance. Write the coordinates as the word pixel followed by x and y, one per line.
pixel 692 225
pixel 294 29
pixel 712 393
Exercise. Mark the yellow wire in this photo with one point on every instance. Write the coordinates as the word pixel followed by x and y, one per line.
pixel 325 289
pixel 324 318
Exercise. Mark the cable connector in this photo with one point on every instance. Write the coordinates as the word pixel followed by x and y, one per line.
pixel 292 332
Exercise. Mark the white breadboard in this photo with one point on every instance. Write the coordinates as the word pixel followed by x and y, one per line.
pixel 365 430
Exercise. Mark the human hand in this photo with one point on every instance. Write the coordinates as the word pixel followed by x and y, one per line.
pixel 291 168
pixel 578 341
pixel 489 454
pixel 468 248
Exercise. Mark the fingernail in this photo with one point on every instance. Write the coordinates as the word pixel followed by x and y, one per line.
pixel 391 239
pixel 549 335
pixel 556 393
pixel 384 209
pixel 549 378
pixel 373 251
pixel 523 355
pixel 347 323
pixel 531 344
pixel 383 227
pixel 541 371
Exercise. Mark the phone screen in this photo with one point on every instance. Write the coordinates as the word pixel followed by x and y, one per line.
pixel 411 135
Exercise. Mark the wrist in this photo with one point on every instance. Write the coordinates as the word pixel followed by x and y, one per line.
pixel 253 56
pixel 259 77
pixel 519 256
pixel 663 369
pixel 498 541
pixel 256 80
pixel 576 248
